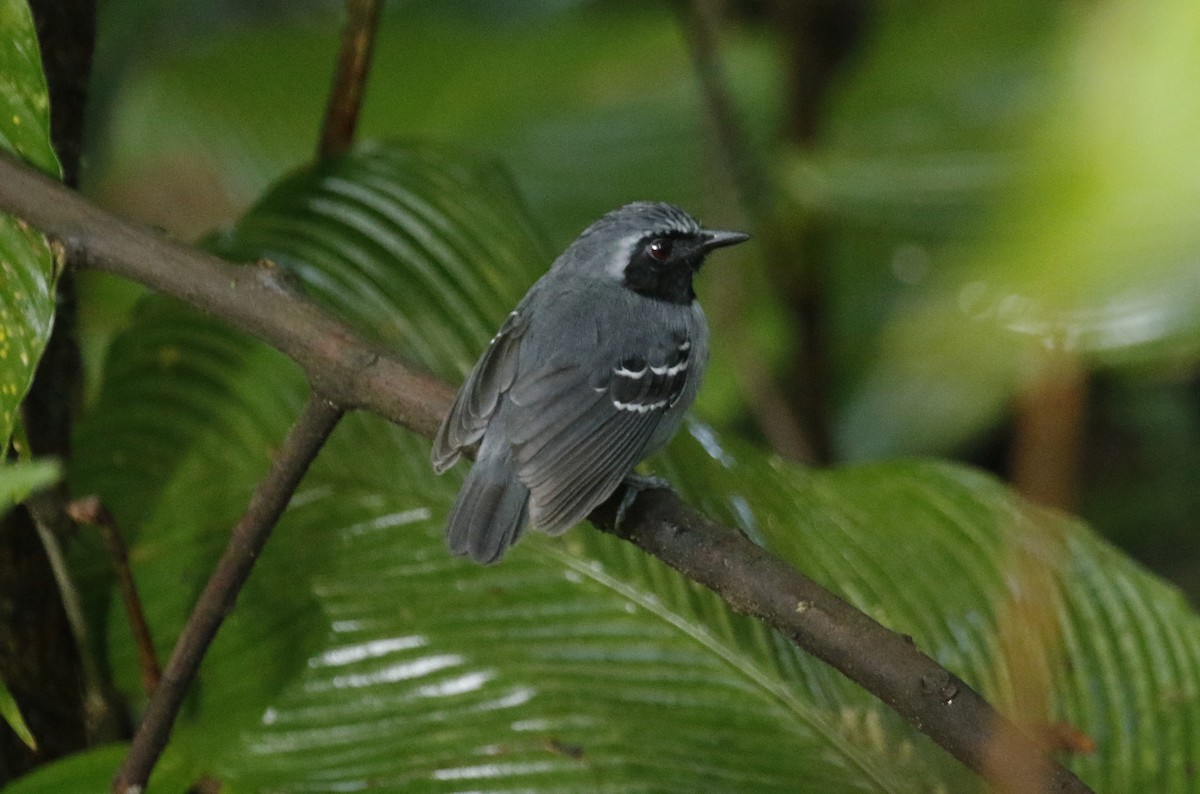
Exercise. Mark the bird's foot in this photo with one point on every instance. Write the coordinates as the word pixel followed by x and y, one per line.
pixel 632 487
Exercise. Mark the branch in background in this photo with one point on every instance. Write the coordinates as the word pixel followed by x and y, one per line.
pixel 270 497
pixel 355 374
pixel 48 512
pixel 350 78
pixel 697 19
pixel 1047 439
pixel 819 36
pixel 1045 458
pixel 66 32
pixel 90 510
pixel 773 412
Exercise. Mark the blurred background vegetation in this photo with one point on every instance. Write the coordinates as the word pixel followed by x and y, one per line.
pixel 976 239
pixel 978 222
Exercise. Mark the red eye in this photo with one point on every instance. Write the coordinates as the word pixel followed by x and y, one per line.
pixel 660 249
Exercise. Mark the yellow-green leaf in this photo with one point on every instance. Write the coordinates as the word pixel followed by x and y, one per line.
pixel 12 715
pixel 27 269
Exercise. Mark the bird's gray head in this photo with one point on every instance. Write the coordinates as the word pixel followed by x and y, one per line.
pixel 650 247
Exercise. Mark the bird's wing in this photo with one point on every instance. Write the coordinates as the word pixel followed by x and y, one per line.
pixel 480 395
pixel 577 432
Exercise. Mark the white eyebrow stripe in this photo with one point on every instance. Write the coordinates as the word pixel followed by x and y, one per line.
pixel 622 252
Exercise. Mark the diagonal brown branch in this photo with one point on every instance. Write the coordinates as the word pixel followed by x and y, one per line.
pixel 887 664
pixel 257 299
pixel 354 374
pixel 246 541
pixel 90 510
pixel 754 189
pixel 774 412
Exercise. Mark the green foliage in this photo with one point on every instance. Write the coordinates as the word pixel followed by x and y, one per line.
pixel 613 115
pixel 1023 191
pixel 18 479
pixel 27 270
pixel 990 179
pixel 24 102
pixel 12 715
pixel 951 181
pixel 91 771
pixel 26 267
pixel 362 654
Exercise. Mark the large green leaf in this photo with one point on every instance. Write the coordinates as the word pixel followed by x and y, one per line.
pixel 26 266
pixel 24 100
pixel 614 115
pixel 90 771
pixel 363 656
pixel 27 270
pixel 78 773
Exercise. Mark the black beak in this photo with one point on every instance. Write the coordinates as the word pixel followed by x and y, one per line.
pixel 721 239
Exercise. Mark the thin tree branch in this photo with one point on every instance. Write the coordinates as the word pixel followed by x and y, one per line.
pixel 246 541
pixel 774 413
pixel 90 510
pixel 889 665
pixel 1049 431
pixel 258 299
pixel 48 511
pixel 350 78
pixel 356 374
pixel 696 21
pixel 819 34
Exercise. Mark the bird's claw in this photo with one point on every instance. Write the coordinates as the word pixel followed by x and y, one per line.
pixel 632 487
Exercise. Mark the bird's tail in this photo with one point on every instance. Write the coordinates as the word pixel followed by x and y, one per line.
pixel 491 510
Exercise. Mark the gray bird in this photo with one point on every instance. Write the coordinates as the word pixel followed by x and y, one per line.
pixel 591 373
